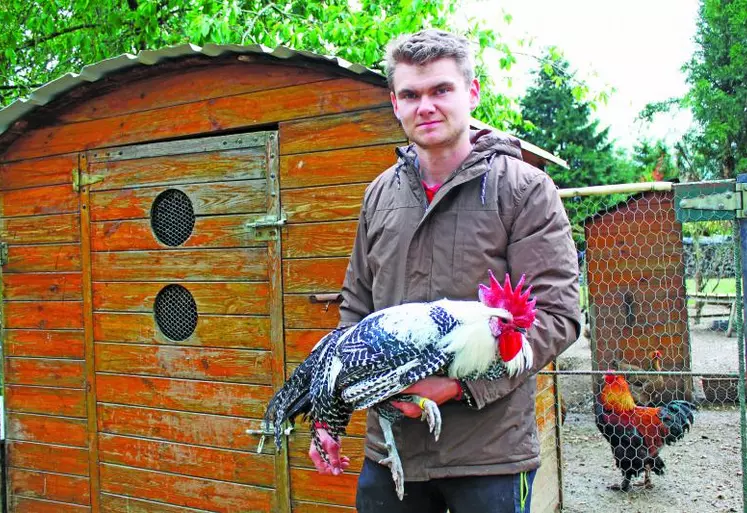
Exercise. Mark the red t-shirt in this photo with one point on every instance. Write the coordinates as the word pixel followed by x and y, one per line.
pixel 431 191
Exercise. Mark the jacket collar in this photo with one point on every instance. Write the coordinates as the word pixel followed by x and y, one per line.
pixel 486 145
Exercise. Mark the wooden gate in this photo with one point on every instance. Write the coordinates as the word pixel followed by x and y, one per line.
pixel 182 309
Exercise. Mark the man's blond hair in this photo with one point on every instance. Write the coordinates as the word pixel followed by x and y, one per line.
pixel 427 46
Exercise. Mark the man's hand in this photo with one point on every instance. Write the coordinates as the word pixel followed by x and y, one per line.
pixel 436 388
pixel 337 464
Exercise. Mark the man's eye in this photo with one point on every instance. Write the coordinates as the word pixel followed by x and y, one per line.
pixel 442 90
pixel 409 96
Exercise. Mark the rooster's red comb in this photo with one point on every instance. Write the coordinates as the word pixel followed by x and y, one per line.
pixel 511 299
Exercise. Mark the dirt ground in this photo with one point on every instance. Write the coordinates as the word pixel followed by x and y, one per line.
pixel 704 471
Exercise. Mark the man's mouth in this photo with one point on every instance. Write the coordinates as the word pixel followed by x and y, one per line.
pixel 428 123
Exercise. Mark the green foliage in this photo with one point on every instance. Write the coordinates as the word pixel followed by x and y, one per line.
pixel 44 39
pixel 717 74
pixel 654 161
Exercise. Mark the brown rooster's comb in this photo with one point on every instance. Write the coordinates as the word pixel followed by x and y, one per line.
pixel 511 299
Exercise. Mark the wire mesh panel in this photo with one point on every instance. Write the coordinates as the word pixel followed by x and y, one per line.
pixel 650 419
pixel 176 312
pixel 172 217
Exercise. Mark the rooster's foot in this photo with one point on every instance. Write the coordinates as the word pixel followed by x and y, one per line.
pixel 622 487
pixel 431 414
pixel 393 460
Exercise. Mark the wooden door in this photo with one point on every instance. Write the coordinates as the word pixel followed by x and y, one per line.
pixel 183 314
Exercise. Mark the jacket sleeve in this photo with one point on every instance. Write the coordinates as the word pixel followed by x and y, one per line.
pixel 540 247
pixel 357 298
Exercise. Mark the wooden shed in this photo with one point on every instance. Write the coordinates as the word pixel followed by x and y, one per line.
pixel 171 223
pixel 636 279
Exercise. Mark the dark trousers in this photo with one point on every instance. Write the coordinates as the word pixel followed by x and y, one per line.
pixel 474 494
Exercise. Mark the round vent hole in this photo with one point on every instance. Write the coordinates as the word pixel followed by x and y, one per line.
pixel 176 312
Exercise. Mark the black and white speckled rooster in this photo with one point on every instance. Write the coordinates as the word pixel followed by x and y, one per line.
pixel 370 363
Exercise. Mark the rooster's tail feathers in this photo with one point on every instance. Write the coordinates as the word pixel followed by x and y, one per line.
pixel 294 398
pixel 677 416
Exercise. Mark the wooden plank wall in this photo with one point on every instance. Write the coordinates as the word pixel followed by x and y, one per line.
pixel 47 441
pixel 636 284
pixel 168 435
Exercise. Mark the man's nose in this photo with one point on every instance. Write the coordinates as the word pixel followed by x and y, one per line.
pixel 426 105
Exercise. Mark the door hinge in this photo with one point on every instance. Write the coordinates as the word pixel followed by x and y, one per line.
pixel 3 253
pixel 266 228
pixel 732 201
pixel 82 179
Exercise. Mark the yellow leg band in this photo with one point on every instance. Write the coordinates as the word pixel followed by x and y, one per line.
pixel 421 403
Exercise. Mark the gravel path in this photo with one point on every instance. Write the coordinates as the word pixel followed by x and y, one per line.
pixel 704 471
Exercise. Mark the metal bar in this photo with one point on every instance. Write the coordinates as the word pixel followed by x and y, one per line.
pixel 641 373
pixel 90 365
pixel 742 266
pixel 622 188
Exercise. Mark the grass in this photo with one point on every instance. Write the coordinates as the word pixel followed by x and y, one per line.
pixel 714 286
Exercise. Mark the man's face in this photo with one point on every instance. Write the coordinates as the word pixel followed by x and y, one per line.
pixel 434 103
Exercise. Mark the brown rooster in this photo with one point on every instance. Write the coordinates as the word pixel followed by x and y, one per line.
pixel 637 433
pixel 652 389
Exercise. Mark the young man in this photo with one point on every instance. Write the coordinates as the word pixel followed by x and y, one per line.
pixel 456 204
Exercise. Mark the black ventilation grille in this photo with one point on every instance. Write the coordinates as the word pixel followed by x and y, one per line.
pixel 176 312
pixel 172 217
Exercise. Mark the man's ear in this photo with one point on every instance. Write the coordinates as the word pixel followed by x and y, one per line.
pixel 393 98
pixel 474 94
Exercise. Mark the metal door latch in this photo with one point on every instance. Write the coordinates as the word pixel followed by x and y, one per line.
pixel 265 228
pixel 3 253
pixel 267 431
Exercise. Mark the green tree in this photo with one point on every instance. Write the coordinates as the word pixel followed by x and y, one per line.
pixel 43 39
pixel 561 122
pixel 654 161
pixel 717 74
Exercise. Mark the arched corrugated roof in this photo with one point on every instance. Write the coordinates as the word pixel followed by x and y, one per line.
pixel 95 72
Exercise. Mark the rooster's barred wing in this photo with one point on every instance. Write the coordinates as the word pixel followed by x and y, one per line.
pixel 389 351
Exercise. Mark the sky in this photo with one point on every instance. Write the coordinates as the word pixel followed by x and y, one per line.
pixel 636 47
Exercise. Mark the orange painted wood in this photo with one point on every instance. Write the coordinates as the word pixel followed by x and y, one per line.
pixel 300 313
pixel 28 505
pixel 314 275
pixel 67 402
pixel 186 264
pixel 40 229
pixel 244 467
pixel 42 287
pixel 319 239
pixel 172 170
pixel 368 127
pixel 184 395
pixel 189 85
pixel 37 173
pixel 56 199
pixel 313 507
pixel 44 314
pixel 241 197
pixel 331 203
pixel 46 429
pixel 54 458
pixel 232 365
pixel 202 117
pixel 118 504
pixel 47 258
pixel 43 485
pixel 299 343
pixel 44 372
pixel 216 496
pixel 208 232
pixel 233 298
pixel 49 344
pixel 177 426
pixel 212 330
pixel 299 451
pixel 309 485
pixel 336 167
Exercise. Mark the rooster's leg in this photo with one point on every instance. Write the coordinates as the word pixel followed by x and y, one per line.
pixel 647 483
pixel 392 461
pixel 431 413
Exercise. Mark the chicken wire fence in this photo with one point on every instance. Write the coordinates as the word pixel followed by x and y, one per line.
pixel 662 329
